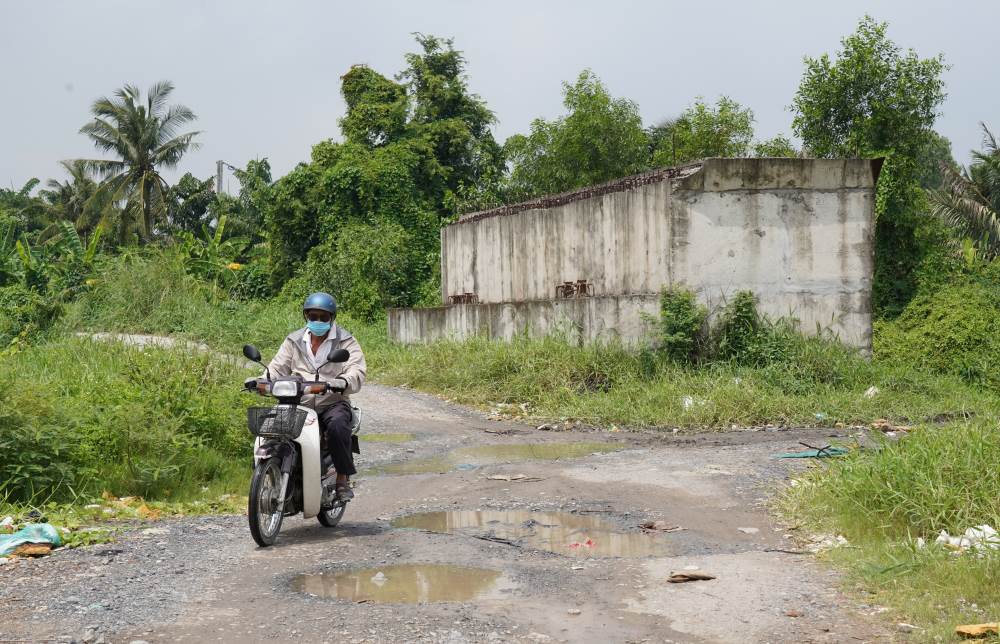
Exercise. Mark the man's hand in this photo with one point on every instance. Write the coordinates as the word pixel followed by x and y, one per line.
pixel 338 384
pixel 250 384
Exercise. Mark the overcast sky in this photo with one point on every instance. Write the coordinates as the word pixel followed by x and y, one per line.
pixel 263 76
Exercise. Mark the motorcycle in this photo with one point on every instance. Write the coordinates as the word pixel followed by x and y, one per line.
pixel 289 454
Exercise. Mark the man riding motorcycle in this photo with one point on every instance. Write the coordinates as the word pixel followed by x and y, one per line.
pixel 304 353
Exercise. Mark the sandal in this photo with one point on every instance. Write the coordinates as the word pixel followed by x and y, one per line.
pixel 344 491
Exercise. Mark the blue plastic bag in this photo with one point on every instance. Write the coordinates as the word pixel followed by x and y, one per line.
pixel 31 533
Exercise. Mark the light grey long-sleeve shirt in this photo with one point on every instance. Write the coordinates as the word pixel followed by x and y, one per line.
pixel 294 358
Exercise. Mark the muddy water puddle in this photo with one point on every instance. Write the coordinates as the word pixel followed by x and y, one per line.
pixel 472 457
pixel 402 584
pixel 560 532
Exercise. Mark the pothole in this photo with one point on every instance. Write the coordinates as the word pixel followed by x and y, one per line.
pixel 472 457
pixel 401 584
pixel 385 438
pixel 560 532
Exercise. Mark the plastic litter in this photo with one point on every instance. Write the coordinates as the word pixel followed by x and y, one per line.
pixel 682 577
pixel 871 392
pixel 36 533
pixel 659 526
pixel 980 537
pixel 823 452
pixel 978 630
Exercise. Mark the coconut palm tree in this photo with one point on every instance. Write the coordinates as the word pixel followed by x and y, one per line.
pixel 73 200
pixel 970 199
pixel 143 135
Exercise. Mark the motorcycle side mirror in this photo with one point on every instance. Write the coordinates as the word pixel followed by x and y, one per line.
pixel 251 353
pixel 339 355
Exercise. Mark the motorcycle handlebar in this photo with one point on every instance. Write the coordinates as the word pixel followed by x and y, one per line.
pixel 314 388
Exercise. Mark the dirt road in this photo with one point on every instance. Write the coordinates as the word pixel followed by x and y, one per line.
pixel 439 546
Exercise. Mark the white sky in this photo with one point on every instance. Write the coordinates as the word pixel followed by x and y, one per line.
pixel 264 76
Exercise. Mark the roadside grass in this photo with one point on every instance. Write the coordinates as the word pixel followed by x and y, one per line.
pixel 820 385
pixel 882 500
pixel 79 417
pixel 814 381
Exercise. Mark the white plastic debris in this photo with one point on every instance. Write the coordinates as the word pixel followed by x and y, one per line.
pixel 7 522
pixel 379 578
pixel 822 543
pixel 980 537
pixel 690 401
pixel 748 530
pixel 871 392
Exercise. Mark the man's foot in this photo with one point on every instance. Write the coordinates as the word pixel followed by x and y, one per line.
pixel 344 491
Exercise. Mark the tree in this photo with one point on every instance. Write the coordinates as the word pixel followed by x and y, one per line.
pixel 933 160
pixel 246 218
pixel 702 131
pixel 413 149
pixel 452 122
pixel 24 211
pixel 143 135
pixel 876 101
pixel 377 108
pixel 873 100
pixel 969 202
pixel 776 147
pixel 72 200
pixel 599 139
pixel 188 203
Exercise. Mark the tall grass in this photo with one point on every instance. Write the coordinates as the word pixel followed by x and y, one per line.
pixel 80 417
pixel 936 478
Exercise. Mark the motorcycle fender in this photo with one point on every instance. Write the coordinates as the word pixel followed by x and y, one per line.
pixel 312 486
pixel 261 452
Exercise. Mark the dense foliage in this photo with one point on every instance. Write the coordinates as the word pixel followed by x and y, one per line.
pixel 600 138
pixel 365 213
pixel 874 100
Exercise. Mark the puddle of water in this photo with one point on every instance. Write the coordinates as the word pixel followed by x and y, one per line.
pixel 560 532
pixel 401 584
pixel 385 438
pixel 469 457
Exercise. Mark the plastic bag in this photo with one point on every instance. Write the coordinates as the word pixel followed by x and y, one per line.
pixel 31 533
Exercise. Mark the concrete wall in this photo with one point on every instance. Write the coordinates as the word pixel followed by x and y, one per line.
pixel 588 319
pixel 796 232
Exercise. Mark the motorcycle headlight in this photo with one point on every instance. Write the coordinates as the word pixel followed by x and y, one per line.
pixel 285 389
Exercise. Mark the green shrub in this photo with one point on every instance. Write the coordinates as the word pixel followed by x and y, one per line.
pixel 25 313
pixel 36 453
pixel 369 267
pixel 250 282
pixel 680 330
pixel 954 329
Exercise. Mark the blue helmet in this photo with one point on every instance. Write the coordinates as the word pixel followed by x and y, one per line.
pixel 322 302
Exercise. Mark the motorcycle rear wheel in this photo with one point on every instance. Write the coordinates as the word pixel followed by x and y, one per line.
pixel 262 509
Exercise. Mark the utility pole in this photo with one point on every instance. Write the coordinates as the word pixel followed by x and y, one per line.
pixel 218 176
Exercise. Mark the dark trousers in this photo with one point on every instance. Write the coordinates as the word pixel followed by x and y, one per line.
pixel 336 424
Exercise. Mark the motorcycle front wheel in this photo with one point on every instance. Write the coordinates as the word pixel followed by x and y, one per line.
pixel 330 518
pixel 263 508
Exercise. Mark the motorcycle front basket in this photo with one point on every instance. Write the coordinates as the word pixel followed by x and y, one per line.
pixel 276 422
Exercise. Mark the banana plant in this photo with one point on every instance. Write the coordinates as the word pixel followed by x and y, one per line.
pixel 211 256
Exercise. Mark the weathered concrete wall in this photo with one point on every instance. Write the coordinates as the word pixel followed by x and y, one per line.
pixel 796 232
pixel 587 319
